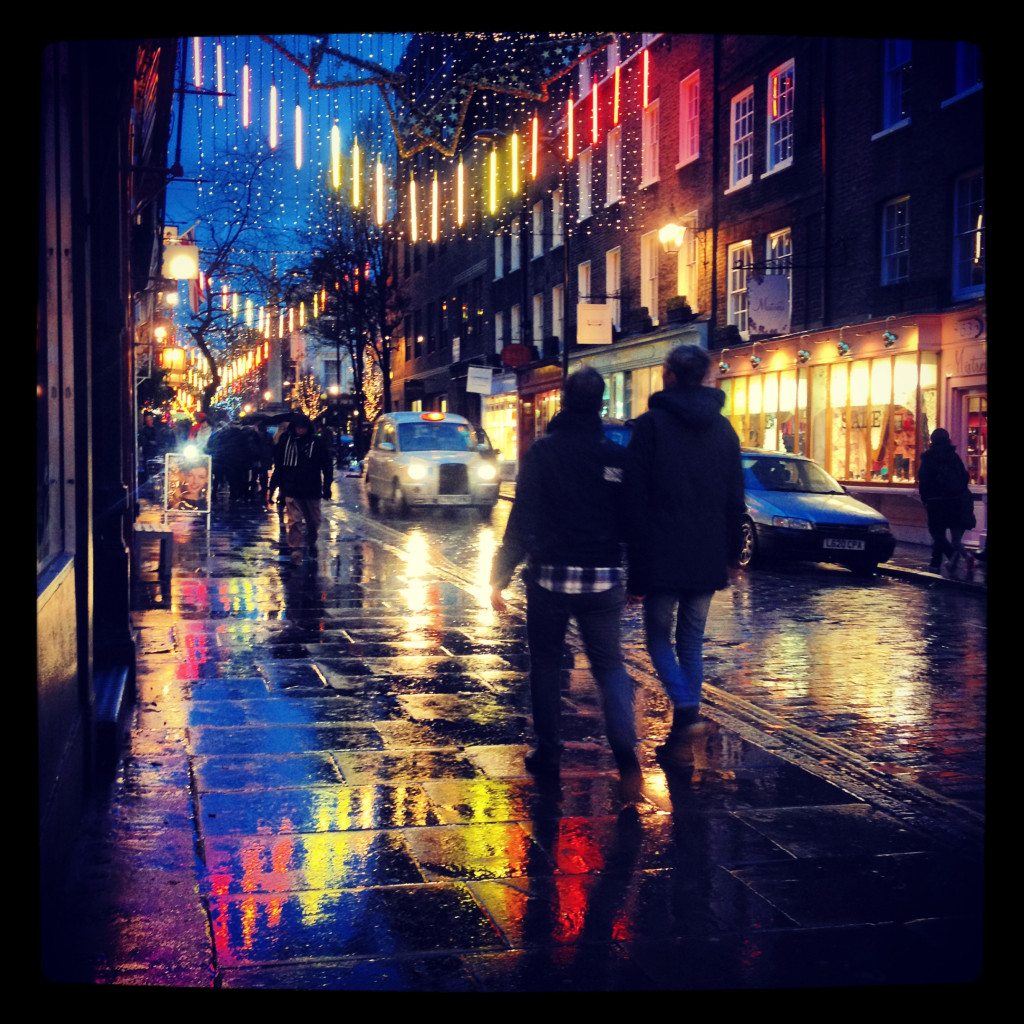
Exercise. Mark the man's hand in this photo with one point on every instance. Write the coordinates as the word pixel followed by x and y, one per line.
pixel 634 599
pixel 498 602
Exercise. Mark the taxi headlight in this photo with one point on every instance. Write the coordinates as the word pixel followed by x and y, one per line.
pixel 417 470
pixel 792 524
pixel 486 471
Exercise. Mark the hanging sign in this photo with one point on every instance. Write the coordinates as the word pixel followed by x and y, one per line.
pixel 768 304
pixel 514 354
pixel 478 380
pixel 593 323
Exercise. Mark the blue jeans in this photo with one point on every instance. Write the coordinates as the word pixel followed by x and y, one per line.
pixel 680 667
pixel 599 618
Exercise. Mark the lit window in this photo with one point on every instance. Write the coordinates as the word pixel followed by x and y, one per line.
pixel 969 236
pixel 780 116
pixel 650 144
pixel 613 284
pixel 896 241
pixel 741 164
pixel 687 281
pixel 584 162
pixel 558 311
pixel 538 230
pixel 499 255
pixel 896 82
pixel 514 257
pixel 583 281
pixel 689 118
pixel 556 218
pixel 649 245
pixel 516 325
pixel 614 172
pixel 538 317
pixel 741 256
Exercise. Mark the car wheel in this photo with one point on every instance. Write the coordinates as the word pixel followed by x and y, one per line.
pixel 748 552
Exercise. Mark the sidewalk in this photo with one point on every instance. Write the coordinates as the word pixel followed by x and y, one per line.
pixel 909 561
pixel 325 789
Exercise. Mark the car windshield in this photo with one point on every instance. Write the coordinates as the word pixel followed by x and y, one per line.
pixel 788 475
pixel 435 436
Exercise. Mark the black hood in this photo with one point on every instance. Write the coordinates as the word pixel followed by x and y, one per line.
pixel 569 420
pixel 697 407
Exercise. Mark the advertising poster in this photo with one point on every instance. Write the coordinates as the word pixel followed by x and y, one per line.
pixel 187 482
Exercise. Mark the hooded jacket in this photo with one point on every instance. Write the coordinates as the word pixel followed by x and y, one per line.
pixel 569 504
pixel 684 488
pixel 942 474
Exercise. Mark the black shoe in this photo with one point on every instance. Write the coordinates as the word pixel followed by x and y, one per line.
pixel 631 777
pixel 542 762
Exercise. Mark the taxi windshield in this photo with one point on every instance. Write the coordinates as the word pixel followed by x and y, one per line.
pixel 435 436
pixel 788 475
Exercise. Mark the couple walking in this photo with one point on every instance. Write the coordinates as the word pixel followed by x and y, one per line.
pixel 675 496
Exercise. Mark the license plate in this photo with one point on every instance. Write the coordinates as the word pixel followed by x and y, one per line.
pixel 453 499
pixel 842 544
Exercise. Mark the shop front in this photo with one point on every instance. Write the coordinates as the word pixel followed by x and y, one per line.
pixel 499 416
pixel 539 398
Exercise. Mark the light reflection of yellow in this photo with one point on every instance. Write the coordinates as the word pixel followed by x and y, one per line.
pixel 311 901
pixel 248 907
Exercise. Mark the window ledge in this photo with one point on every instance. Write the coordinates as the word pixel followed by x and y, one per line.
pixel 580 220
pixel 648 184
pixel 687 162
pixel 781 166
pixel 968 294
pixel 961 95
pixel 612 202
pixel 739 185
pixel 892 128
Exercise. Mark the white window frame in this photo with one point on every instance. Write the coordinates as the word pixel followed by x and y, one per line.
pixel 778 257
pixel 896 241
pixel 738 269
pixel 557 218
pixel 516 324
pixel 538 318
pixel 649 247
pixel 515 257
pixel 968 234
pixel 613 171
pixel 779 133
pixel 897 62
pixel 741 147
pixel 584 281
pixel 650 144
pixel 558 311
pixel 689 119
pixel 585 163
pixel 687 271
pixel 613 284
pixel 499 255
pixel 537 246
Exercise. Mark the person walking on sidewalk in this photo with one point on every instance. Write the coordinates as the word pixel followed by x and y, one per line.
pixel 304 472
pixel 684 486
pixel 942 482
pixel 568 521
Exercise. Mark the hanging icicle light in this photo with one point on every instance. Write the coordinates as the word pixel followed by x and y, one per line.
pixel 380 192
pixel 245 96
pixel 197 61
pixel 302 314
pixel 435 210
pixel 355 173
pixel 273 116
pixel 298 137
pixel 291 319
pixel 316 304
pixel 570 129
pixel 615 101
pixel 336 156
pixel 220 75
pixel 261 322
pixel 413 230
pixel 323 296
pixel 460 206
pixel 515 163
pixel 234 305
pixel 534 145
pixel 223 295
pixel 493 204
pixel 266 350
pixel 593 112
pixel 248 312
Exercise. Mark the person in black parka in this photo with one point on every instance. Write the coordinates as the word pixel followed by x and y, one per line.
pixel 684 487
pixel 942 482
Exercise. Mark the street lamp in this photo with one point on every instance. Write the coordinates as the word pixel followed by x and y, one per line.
pixel 671 238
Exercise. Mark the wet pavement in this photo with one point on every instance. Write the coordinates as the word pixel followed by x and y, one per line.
pixel 325 789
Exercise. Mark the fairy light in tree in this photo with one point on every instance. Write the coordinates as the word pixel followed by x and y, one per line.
pixel 323 297
pixel 220 75
pixel 647 78
pixel 515 163
pixel 246 119
pixel 435 210
pixel 223 295
pixel 316 304
pixel 413 230
pixel 248 312
pixel 534 145
pixel 260 321
pixel 460 206
pixel 355 173
pixel 234 305
pixel 291 319
pixel 298 137
pixel 380 191
pixel 266 350
pixel 493 205
pixel 336 156
pixel 593 111
pixel 197 61
pixel 273 116
pixel 280 324
pixel 615 101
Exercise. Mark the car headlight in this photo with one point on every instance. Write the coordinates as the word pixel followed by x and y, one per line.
pixel 878 528
pixel 792 524
pixel 486 471
pixel 416 470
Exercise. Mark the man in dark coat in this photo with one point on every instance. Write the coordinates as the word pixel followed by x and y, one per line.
pixel 942 482
pixel 304 471
pixel 684 484
pixel 568 520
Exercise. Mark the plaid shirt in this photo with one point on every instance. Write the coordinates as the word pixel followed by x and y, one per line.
pixel 575 579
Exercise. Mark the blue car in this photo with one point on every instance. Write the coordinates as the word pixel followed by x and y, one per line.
pixel 795 510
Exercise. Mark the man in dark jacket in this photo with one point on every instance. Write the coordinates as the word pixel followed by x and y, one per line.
pixel 304 470
pixel 684 483
pixel 942 482
pixel 568 521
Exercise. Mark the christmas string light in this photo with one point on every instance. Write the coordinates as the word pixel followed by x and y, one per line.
pixel 534 146
pixel 413 230
pixel 273 116
pixel 197 61
pixel 298 137
pixel 615 103
pixel 220 75
pixel 380 191
pixel 336 156
pixel 460 215
pixel 515 163
pixel 355 173
pixel 435 211
pixel 246 120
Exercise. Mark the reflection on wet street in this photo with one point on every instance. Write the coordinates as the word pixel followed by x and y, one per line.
pixel 325 784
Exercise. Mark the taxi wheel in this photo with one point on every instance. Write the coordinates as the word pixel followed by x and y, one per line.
pixel 748 552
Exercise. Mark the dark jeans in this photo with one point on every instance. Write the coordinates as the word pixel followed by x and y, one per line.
pixel 599 618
